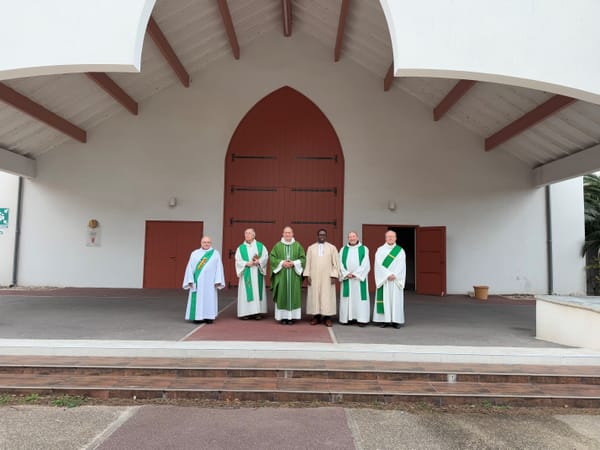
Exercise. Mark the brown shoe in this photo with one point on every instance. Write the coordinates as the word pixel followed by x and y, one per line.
pixel 328 323
pixel 315 321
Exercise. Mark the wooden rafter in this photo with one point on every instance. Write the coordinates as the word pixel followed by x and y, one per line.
pixel 455 94
pixel 546 109
pixel 389 78
pixel 229 29
pixel 286 15
pixel 341 26
pixel 114 90
pixel 167 51
pixel 37 111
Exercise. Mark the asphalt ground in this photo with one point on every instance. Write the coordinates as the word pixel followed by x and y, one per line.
pixel 175 427
pixel 137 314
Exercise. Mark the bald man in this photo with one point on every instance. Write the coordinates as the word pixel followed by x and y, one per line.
pixel 251 259
pixel 390 274
pixel 203 277
pixel 287 263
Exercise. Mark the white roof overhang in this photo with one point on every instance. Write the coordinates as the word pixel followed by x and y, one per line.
pixel 69 36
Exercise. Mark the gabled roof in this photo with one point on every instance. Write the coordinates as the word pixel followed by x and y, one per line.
pixel 195 30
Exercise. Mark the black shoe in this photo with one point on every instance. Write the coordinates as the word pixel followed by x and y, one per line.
pixel 284 321
pixel 362 324
pixel 384 325
pixel 396 325
pixel 208 321
pixel 198 321
pixel 291 322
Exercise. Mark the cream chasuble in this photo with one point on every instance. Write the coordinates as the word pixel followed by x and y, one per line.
pixel 322 264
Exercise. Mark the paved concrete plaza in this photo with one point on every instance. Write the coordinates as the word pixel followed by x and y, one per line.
pixel 136 314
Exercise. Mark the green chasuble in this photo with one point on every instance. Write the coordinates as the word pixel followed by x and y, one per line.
pixel 286 284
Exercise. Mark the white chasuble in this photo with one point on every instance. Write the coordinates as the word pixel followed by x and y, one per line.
pixel 355 303
pixel 205 273
pixel 252 291
pixel 389 297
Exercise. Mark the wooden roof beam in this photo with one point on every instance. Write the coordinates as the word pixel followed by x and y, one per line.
pixel 229 29
pixel 286 14
pixel 455 94
pixel 37 111
pixel 546 109
pixel 114 90
pixel 341 26
pixel 167 51
pixel 389 78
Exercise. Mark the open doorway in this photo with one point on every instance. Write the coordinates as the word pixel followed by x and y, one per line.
pixel 425 249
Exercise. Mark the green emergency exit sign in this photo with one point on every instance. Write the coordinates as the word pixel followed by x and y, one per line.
pixel 3 217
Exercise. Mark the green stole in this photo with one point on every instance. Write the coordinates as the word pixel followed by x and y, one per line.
pixel 386 263
pixel 346 282
pixel 199 268
pixel 247 273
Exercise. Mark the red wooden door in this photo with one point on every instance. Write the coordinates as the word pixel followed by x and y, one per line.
pixel 373 236
pixel 284 166
pixel 431 260
pixel 167 250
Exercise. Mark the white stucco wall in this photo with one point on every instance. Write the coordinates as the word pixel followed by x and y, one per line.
pixel 9 191
pixel 568 236
pixel 437 173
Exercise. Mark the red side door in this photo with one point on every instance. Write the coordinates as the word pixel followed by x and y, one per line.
pixel 167 250
pixel 431 260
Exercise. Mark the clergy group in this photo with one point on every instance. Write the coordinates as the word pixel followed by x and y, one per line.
pixel 321 265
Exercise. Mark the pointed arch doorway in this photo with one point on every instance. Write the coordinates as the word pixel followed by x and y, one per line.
pixel 284 166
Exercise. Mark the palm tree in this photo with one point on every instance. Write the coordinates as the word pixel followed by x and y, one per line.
pixel 591 247
pixel 591 201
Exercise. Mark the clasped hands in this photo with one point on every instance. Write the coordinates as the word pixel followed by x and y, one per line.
pixel 254 262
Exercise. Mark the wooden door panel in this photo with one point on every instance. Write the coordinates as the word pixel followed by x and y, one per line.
pixel 254 203
pixel 313 171
pixel 310 209
pixel 255 168
pixel 431 260
pixel 160 259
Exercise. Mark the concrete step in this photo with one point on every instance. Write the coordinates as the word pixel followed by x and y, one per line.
pixel 302 380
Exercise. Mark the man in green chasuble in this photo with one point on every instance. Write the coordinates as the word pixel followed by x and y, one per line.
pixel 287 263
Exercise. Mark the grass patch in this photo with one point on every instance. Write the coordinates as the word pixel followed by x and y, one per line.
pixel 68 401
pixel 5 399
pixel 32 398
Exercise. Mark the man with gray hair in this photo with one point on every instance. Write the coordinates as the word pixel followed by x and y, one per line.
pixel 203 276
pixel 390 274
pixel 251 259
